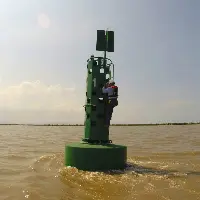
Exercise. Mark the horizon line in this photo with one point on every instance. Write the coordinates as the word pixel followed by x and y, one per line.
pixel 116 124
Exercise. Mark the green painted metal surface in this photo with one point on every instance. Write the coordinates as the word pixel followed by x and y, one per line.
pixel 92 157
pixel 98 73
pixel 105 41
pixel 97 153
pixel 95 105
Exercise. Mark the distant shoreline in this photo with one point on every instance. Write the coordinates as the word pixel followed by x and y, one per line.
pixel 157 124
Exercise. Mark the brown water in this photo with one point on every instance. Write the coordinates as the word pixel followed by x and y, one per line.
pixel 164 163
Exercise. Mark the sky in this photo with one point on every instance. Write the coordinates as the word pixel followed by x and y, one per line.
pixel 45 44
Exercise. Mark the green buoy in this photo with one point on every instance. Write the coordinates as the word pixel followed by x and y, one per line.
pixel 96 151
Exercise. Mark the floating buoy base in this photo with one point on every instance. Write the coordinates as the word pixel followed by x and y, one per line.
pixel 95 157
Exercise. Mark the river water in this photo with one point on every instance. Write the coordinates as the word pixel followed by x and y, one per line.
pixel 163 163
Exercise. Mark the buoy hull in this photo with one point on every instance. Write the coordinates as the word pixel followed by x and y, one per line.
pixel 91 157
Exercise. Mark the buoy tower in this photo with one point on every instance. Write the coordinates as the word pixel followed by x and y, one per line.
pixel 96 152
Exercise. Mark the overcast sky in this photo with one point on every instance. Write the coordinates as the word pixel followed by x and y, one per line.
pixel 44 46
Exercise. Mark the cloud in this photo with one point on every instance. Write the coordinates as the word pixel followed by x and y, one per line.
pixel 37 102
pixel 34 102
pixel 37 96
